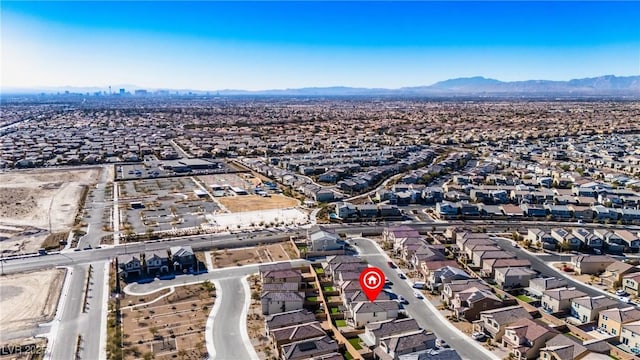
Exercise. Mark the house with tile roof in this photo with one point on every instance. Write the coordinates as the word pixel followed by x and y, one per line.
pixel 524 338
pixel 586 309
pixel 494 322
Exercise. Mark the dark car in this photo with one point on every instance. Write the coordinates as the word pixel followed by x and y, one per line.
pixel 391 264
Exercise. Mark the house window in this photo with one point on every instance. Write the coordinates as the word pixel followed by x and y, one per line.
pixel 605 318
pixel 613 331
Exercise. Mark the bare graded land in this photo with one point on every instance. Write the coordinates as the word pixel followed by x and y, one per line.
pixel 33 201
pixel 29 299
pixel 255 202
pixel 253 255
pixel 172 327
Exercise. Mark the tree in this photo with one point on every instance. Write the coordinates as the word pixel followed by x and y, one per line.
pixel 148 355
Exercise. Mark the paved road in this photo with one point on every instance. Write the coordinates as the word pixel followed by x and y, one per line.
pixel 96 209
pixel 13 265
pixel 538 264
pixel 227 324
pixel 71 321
pixel 426 316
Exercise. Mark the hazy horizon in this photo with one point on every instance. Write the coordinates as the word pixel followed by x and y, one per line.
pixel 263 45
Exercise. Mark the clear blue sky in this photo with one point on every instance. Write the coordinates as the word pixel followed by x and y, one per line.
pixel 264 45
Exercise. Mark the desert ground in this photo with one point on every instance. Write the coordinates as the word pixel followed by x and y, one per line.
pixel 33 200
pixel 172 327
pixel 24 304
pixel 255 202
pixel 253 255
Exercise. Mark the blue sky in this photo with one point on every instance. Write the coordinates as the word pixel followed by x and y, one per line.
pixel 264 45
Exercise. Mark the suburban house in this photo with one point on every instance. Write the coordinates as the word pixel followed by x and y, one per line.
pixel 283 301
pixel 611 320
pixel 467 304
pixel 525 338
pixel 392 348
pixel 565 348
pixel 308 349
pixel 289 318
pixel 445 275
pixel 630 239
pixel 513 277
pixel 489 266
pixel 480 257
pixel 588 238
pixel 427 267
pixel 539 238
pixel 322 240
pixel 630 336
pixel 364 312
pixel 129 264
pixel 298 332
pixel 374 332
pixel 559 300
pixel 281 276
pixel 394 234
pixel 591 264
pixel 450 290
pixel 182 257
pixel 614 273
pixel 631 283
pixel 586 309
pixel 538 286
pixel 156 261
pixel 566 239
pixel 494 322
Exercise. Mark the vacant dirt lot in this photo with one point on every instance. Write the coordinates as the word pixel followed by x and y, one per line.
pixel 36 199
pixel 255 202
pixel 252 255
pixel 29 299
pixel 171 327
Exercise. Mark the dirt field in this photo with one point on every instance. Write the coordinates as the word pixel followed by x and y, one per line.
pixel 256 202
pixel 29 299
pixel 171 328
pixel 252 255
pixel 30 200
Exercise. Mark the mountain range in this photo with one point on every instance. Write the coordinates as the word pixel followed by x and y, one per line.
pixel 479 86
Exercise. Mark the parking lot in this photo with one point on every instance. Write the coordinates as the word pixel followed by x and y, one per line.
pixel 163 204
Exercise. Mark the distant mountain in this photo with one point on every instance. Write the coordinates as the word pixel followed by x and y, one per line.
pixel 608 85
pixel 604 85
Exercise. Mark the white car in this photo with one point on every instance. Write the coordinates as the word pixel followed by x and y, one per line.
pixel 441 343
pixel 418 295
pixel 478 336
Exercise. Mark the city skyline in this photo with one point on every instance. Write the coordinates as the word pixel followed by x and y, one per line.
pixel 260 45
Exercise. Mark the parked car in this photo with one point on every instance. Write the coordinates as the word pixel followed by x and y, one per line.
pixel 419 285
pixel 621 292
pixel 478 336
pixel 402 276
pixel 402 300
pixel 418 295
pixel 441 343
pixel 391 264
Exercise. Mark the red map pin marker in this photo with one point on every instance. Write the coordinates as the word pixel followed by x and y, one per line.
pixel 372 282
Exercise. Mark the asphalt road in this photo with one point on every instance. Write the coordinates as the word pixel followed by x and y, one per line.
pixel 96 209
pixel 417 309
pixel 71 321
pixel 69 258
pixel 538 264
pixel 227 335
